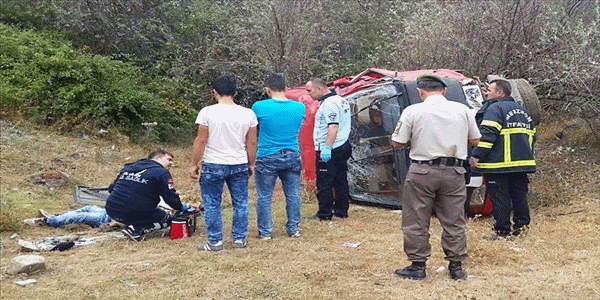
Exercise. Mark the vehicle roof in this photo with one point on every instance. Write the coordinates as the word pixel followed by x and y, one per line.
pixel 371 77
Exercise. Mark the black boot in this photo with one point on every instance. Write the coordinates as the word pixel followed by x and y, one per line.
pixel 456 270
pixel 415 271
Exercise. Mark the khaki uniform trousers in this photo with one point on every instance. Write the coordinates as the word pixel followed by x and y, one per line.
pixel 440 191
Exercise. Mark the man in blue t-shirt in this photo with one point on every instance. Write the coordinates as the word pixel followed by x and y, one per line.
pixel 278 155
pixel 332 129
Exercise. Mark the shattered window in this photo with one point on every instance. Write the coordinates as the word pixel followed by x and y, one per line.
pixel 375 164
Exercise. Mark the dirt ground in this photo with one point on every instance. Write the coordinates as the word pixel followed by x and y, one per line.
pixel 558 258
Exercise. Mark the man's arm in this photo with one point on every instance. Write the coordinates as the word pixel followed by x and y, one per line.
pixel 473 142
pixel 402 132
pixel 251 141
pixel 332 131
pixel 398 145
pixel 168 192
pixel 474 160
pixel 198 150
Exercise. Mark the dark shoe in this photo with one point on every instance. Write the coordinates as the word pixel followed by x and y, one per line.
pixel 341 216
pixel 456 270
pixel 416 271
pixel 133 233
pixel 521 230
pixel 315 217
pixel 496 237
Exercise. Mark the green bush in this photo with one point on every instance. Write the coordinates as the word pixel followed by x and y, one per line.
pixel 44 78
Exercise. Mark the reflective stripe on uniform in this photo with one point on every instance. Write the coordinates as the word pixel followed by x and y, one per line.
pixel 508 162
pixel 507 149
pixel 486 145
pixel 519 163
pixel 493 124
pixel 517 130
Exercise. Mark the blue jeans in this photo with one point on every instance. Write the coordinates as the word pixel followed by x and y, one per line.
pixel 211 185
pixel 145 221
pixel 91 215
pixel 286 165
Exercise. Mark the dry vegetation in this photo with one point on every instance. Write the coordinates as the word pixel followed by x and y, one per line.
pixel 558 258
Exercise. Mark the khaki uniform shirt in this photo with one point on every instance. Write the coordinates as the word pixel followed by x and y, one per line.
pixel 436 128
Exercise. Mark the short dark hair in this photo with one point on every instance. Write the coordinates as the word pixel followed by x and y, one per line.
pixel 159 153
pixel 320 82
pixel 503 85
pixel 275 82
pixel 224 85
pixel 430 85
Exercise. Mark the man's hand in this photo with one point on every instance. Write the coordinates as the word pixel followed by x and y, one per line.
pixel 474 161
pixel 250 170
pixel 399 145
pixel 326 153
pixel 194 172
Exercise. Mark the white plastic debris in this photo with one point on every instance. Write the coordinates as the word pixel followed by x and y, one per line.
pixel 26 282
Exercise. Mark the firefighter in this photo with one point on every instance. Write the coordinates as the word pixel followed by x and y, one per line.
pixel 505 156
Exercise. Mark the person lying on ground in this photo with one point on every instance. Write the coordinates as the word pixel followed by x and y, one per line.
pixel 91 215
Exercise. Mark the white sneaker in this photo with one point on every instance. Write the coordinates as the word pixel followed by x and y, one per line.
pixel 263 237
pixel 295 234
pixel 35 222
pixel 44 214
pixel 210 247
pixel 238 244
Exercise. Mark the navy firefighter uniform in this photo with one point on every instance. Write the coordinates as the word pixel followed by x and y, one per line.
pixel 136 192
pixel 505 154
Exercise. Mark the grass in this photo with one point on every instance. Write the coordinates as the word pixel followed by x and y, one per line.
pixel 557 259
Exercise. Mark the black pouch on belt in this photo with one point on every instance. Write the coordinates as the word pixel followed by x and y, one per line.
pixel 467 167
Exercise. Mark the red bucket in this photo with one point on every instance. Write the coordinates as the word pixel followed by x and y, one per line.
pixel 179 229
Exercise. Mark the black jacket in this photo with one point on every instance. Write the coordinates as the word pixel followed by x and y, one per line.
pixel 138 186
pixel 507 137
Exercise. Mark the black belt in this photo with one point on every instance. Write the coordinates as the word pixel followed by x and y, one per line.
pixel 441 161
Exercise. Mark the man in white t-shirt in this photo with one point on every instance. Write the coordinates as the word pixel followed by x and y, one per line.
pixel 226 145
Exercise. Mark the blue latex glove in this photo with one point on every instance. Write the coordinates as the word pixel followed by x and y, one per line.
pixel 325 153
pixel 184 206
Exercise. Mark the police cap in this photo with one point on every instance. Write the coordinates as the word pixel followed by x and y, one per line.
pixel 431 77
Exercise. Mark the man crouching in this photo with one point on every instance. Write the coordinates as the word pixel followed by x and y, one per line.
pixel 136 192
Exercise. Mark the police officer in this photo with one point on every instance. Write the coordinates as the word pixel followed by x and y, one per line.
pixel 438 131
pixel 505 156
pixel 331 132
